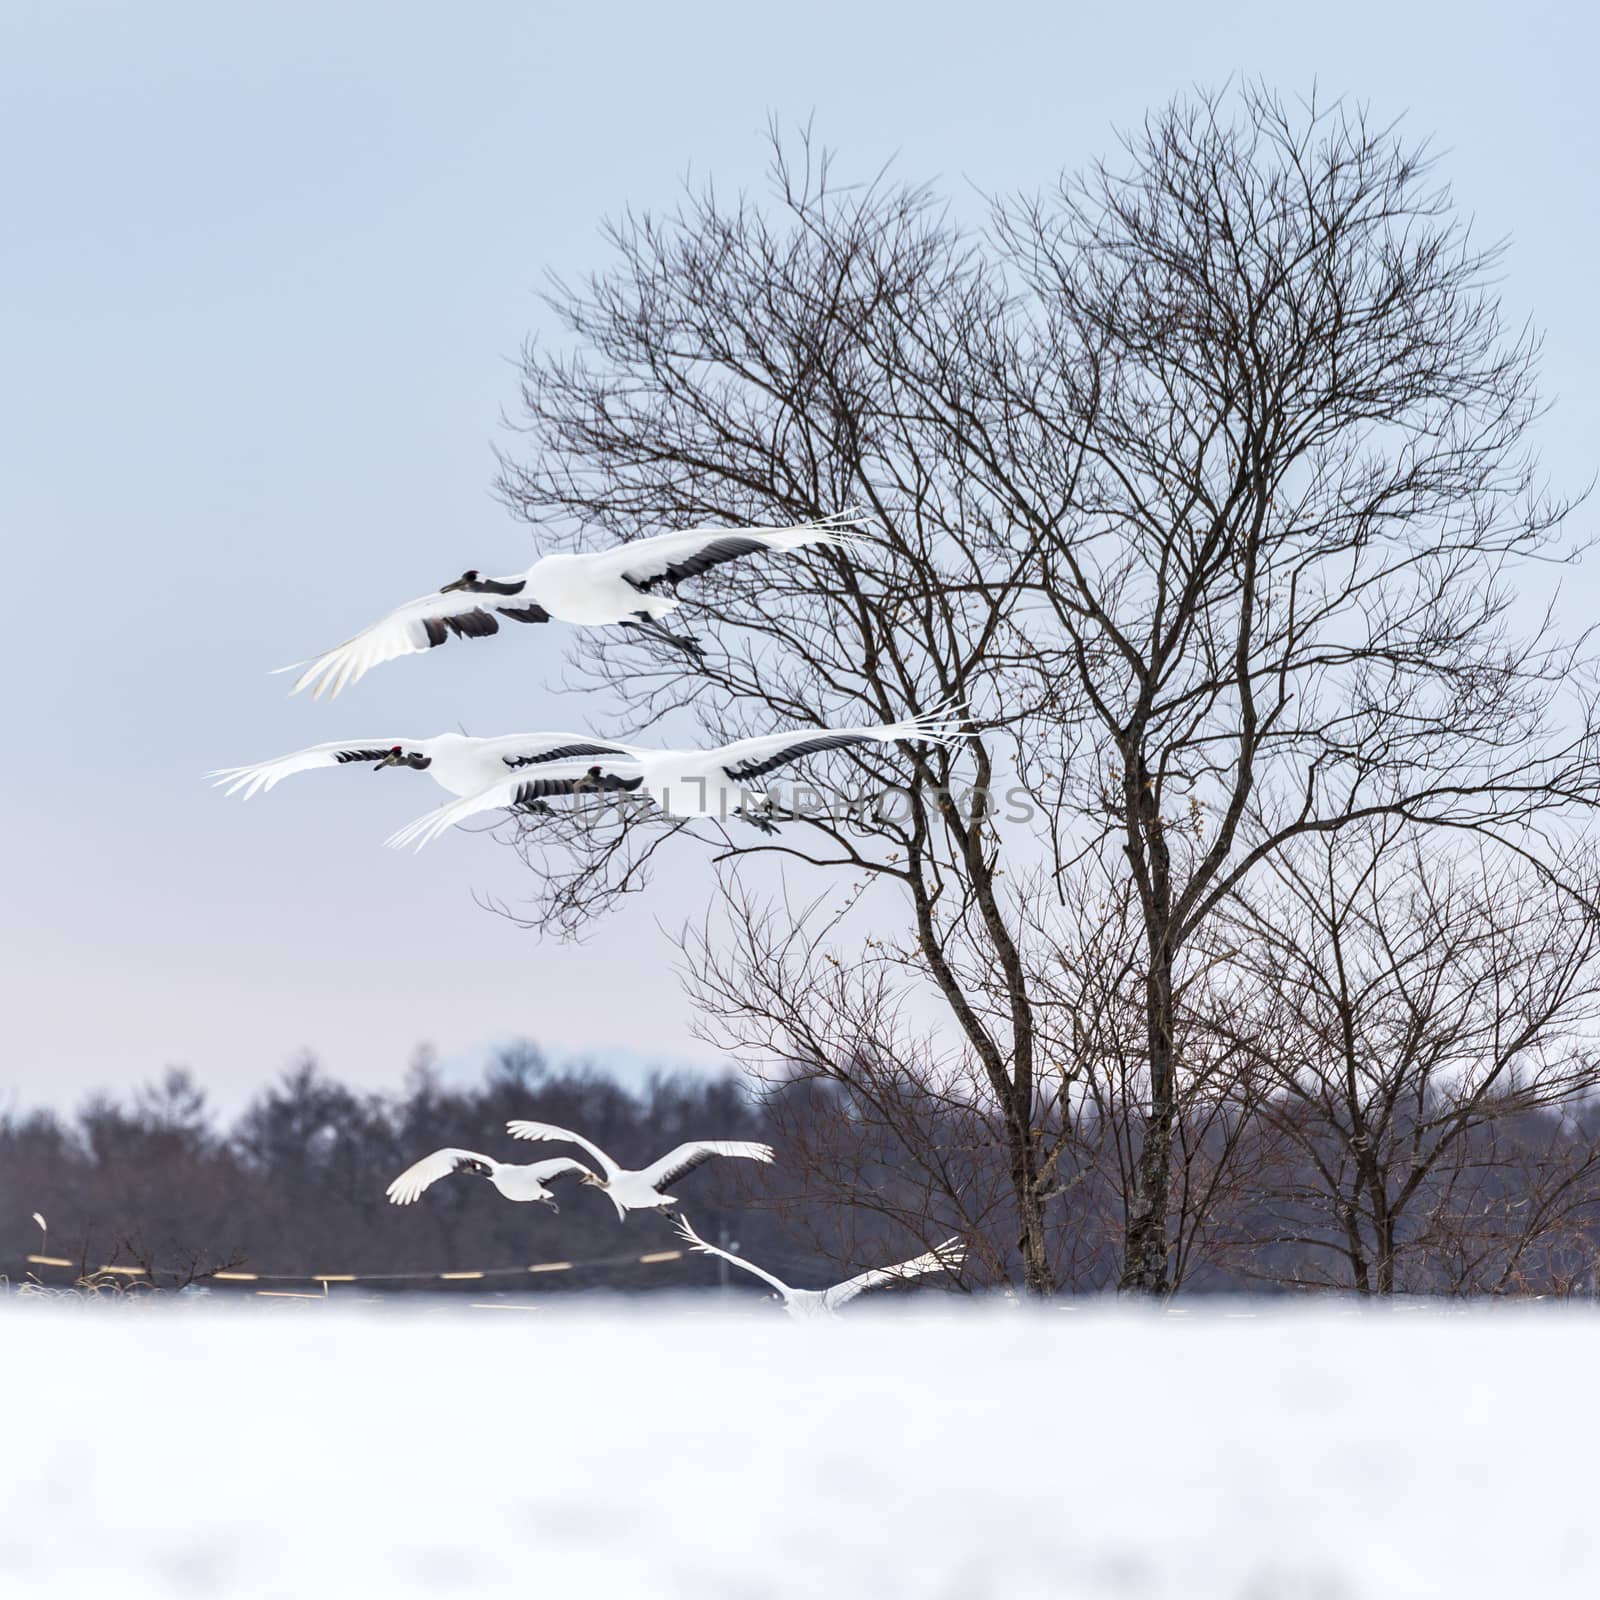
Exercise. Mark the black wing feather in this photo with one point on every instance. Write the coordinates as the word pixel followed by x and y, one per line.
pixel 563 752
pixel 801 747
pixel 683 1168
pixel 360 755
pixel 537 789
pixel 474 624
pixel 728 548
pixel 527 613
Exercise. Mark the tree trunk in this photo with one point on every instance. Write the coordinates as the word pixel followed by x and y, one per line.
pixel 1144 1260
pixel 1383 1219
pixel 1355 1251
pixel 1037 1278
pixel 1385 1240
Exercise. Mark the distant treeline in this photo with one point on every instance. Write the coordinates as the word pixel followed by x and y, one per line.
pixel 295 1186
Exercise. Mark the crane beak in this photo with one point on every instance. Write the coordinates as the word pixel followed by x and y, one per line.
pixel 450 588
pixel 389 761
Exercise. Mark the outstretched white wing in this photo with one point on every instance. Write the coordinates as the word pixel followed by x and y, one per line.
pixel 676 1163
pixel 336 753
pixel 747 759
pixel 695 1242
pixel 520 1129
pixel 943 1257
pixel 523 786
pixel 411 629
pixel 428 1171
pixel 669 558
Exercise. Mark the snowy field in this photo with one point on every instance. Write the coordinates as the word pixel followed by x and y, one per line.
pixel 649 1449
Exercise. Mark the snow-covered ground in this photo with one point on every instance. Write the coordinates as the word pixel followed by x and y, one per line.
pixel 647 1449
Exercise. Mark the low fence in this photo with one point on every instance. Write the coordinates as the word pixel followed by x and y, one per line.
pixel 250 1281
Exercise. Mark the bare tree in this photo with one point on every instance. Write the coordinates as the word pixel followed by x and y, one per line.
pixel 735 369
pixel 880 1114
pixel 1201 484
pixel 1091 993
pixel 1269 431
pixel 1516 1210
pixel 1415 1009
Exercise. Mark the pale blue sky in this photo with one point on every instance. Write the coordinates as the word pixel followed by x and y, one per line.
pixel 260 277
